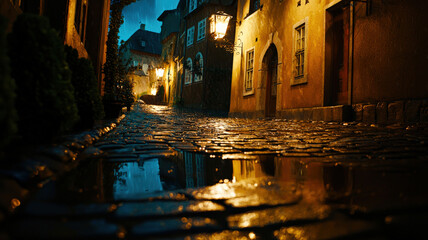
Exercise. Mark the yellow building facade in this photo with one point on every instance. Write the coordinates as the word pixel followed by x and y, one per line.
pixel 318 59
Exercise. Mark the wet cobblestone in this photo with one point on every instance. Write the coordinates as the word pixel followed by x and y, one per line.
pixel 286 180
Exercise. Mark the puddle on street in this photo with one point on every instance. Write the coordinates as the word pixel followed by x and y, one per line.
pixel 364 187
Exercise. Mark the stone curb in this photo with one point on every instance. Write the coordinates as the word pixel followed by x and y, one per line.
pixel 45 163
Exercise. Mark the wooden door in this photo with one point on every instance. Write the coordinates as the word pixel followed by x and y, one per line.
pixel 271 87
pixel 340 56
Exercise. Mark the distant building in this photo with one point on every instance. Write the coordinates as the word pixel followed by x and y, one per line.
pixel 321 59
pixel 169 34
pixel 143 51
pixel 205 69
pixel 82 24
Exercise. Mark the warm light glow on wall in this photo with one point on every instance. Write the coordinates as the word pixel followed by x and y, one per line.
pixel 218 24
pixel 159 72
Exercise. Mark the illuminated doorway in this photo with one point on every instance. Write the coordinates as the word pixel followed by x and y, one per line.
pixel 270 67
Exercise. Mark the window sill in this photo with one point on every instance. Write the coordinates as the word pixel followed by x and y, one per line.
pixel 299 81
pixel 249 93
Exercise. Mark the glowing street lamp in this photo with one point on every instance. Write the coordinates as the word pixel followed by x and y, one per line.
pixel 153 91
pixel 159 72
pixel 218 24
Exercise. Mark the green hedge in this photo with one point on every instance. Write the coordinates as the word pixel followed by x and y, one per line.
pixel 7 92
pixel 128 97
pixel 45 99
pixel 86 92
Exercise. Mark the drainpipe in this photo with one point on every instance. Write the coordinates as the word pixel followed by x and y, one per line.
pixel 184 55
pixel 351 52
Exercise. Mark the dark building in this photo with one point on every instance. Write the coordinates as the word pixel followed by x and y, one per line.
pixel 169 34
pixel 206 68
pixel 82 24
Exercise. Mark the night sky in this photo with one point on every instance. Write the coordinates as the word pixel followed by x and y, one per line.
pixel 144 11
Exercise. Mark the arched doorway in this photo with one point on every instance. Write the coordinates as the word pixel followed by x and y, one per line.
pixel 270 67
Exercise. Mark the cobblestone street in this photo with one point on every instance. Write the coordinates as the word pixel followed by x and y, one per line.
pixel 163 173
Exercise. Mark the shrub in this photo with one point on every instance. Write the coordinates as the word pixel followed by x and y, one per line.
pixel 7 92
pixel 128 97
pixel 113 68
pixel 86 93
pixel 160 93
pixel 45 99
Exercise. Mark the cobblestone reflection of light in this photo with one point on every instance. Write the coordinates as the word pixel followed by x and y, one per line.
pixel 218 191
pixel 14 203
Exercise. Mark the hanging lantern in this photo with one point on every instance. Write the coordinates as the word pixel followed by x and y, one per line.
pixel 218 24
pixel 159 72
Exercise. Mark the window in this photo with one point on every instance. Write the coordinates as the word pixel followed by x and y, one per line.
pixel 145 68
pixel 189 71
pixel 192 5
pixel 199 67
pixel 201 29
pixel 254 6
pixel 299 53
pixel 143 43
pixel 80 18
pixel 190 35
pixel 248 85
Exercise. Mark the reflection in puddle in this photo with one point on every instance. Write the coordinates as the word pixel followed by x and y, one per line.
pixel 362 187
pixel 135 178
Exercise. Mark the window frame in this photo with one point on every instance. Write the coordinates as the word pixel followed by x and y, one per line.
pixel 302 78
pixel 199 78
pixel 199 36
pixel 188 77
pixel 249 91
pixel 195 4
pixel 190 36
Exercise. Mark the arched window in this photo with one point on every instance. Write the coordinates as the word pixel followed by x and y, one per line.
pixel 199 67
pixel 189 71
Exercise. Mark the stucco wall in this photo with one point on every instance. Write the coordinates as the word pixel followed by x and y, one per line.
pixel 143 83
pixel 390 52
pixel 170 69
pixel 273 24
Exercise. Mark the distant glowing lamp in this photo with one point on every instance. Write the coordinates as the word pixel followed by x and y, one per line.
pixel 159 72
pixel 153 91
pixel 218 24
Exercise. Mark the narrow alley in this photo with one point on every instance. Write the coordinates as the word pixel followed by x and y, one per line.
pixel 171 174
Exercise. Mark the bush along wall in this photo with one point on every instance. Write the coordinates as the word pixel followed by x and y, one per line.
pixel 7 93
pixel 86 93
pixel 113 68
pixel 45 99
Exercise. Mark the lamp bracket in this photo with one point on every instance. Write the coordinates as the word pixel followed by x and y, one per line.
pixel 232 47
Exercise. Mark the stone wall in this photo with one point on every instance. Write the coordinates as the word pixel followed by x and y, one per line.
pixel 402 111
pixel 384 113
